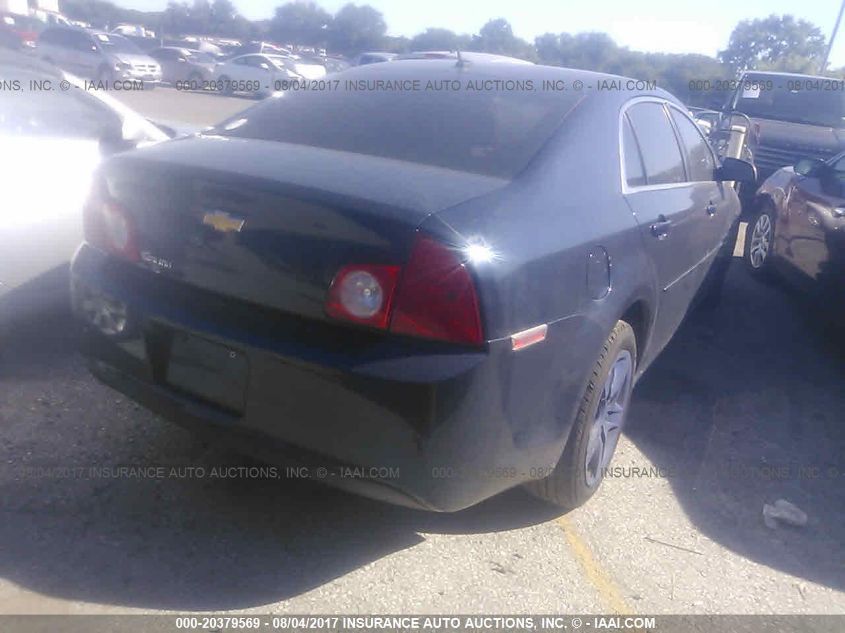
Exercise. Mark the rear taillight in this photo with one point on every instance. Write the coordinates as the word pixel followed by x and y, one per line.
pixel 432 297
pixel 108 226
pixel 363 294
pixel 436 297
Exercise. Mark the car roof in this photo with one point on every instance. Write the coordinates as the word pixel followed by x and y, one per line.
pixel 479 68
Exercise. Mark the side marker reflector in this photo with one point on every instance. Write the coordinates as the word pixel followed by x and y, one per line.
pixel 528 337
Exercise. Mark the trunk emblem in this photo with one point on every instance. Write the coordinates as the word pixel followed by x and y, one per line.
pixel 223 222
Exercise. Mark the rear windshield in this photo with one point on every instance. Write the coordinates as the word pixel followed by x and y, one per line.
pixel 794 99
pixel 491 132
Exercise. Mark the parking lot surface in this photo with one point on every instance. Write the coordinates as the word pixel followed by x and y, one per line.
pixel 165 104
pixel 743 408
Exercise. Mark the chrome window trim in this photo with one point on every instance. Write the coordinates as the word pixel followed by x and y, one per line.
pixel 626 189
pixel 714 160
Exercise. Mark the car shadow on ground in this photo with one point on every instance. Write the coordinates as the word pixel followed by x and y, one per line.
pixel 745 406
pixel 185 541
pixel 749 384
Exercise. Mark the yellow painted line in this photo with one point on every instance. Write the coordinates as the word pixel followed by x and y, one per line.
pixel 601 581
pixel 739 246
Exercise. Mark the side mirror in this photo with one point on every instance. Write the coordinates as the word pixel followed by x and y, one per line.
pixel 808 166
pixel 264 67
pixel 112 141
pixel 181 60
pixel 115 139
pixel 736 170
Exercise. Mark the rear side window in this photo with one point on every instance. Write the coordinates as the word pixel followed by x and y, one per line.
pixel 700 164
pixel 634 172
pixel 658 145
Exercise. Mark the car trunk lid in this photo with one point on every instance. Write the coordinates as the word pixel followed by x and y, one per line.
pixel 271 223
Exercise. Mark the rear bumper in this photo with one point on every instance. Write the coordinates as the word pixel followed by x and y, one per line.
pixel 405 421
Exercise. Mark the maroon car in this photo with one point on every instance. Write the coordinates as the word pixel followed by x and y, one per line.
pixel 798 228
pixel 18 31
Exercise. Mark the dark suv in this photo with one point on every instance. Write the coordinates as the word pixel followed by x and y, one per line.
pixel 792 117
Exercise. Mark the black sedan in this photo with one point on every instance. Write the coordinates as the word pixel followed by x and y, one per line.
pixel 798 228
pixel 431 283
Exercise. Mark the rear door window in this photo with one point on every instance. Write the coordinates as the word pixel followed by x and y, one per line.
pixel 634 171
pixel 700 163
pixel 661 154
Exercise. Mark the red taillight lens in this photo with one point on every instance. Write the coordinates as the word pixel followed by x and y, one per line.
pixel 363 294
pixel 109 227
pixel 436 297
pixel 433 297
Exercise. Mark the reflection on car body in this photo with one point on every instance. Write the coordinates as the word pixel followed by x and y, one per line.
pixel 440 285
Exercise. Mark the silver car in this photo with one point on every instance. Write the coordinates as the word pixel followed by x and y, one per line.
pixel 103 56
pixel 53 141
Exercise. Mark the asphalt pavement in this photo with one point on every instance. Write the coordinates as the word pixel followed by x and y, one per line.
pixel 744 407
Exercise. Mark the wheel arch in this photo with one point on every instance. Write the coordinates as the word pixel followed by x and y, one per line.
pixel 638 316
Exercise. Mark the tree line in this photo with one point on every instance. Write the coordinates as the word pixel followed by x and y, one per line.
pixel 775 42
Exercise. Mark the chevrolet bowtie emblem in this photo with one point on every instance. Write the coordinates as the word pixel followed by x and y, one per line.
pixel 223 222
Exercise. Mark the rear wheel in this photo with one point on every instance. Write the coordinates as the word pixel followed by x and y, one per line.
pixel 759 240
pixel 598 425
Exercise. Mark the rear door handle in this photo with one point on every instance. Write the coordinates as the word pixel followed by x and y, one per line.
pixel 660 229
pixel 711 209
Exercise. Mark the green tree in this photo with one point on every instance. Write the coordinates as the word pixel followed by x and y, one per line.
pixel 774 43
pixel 433 39
pixel 497 37
pixel 355 29
pixel 303 23
pixel 222 17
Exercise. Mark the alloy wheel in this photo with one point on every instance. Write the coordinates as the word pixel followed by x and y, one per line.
pixel 609 417
pixel 761 238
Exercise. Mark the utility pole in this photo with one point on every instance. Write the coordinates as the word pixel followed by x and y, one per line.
pixel 832 36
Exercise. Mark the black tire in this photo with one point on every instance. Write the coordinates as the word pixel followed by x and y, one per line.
pixel 568 486
pixel 759 241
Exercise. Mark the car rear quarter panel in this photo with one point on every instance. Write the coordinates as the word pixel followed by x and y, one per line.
pixel 541 231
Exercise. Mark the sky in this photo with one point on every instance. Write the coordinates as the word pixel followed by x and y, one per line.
pixel 671 26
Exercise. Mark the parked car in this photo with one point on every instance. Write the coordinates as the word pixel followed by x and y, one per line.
pixel 18 31
pixel 798 230
pixel 99 55
pixel 53 140
pixel 373 58
pixel 133 30
pixel 184 65
pixel 257 75
pixel 792 116
pixel 335 64
pixel 260 48
pixel 468 56
pixel 410 289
